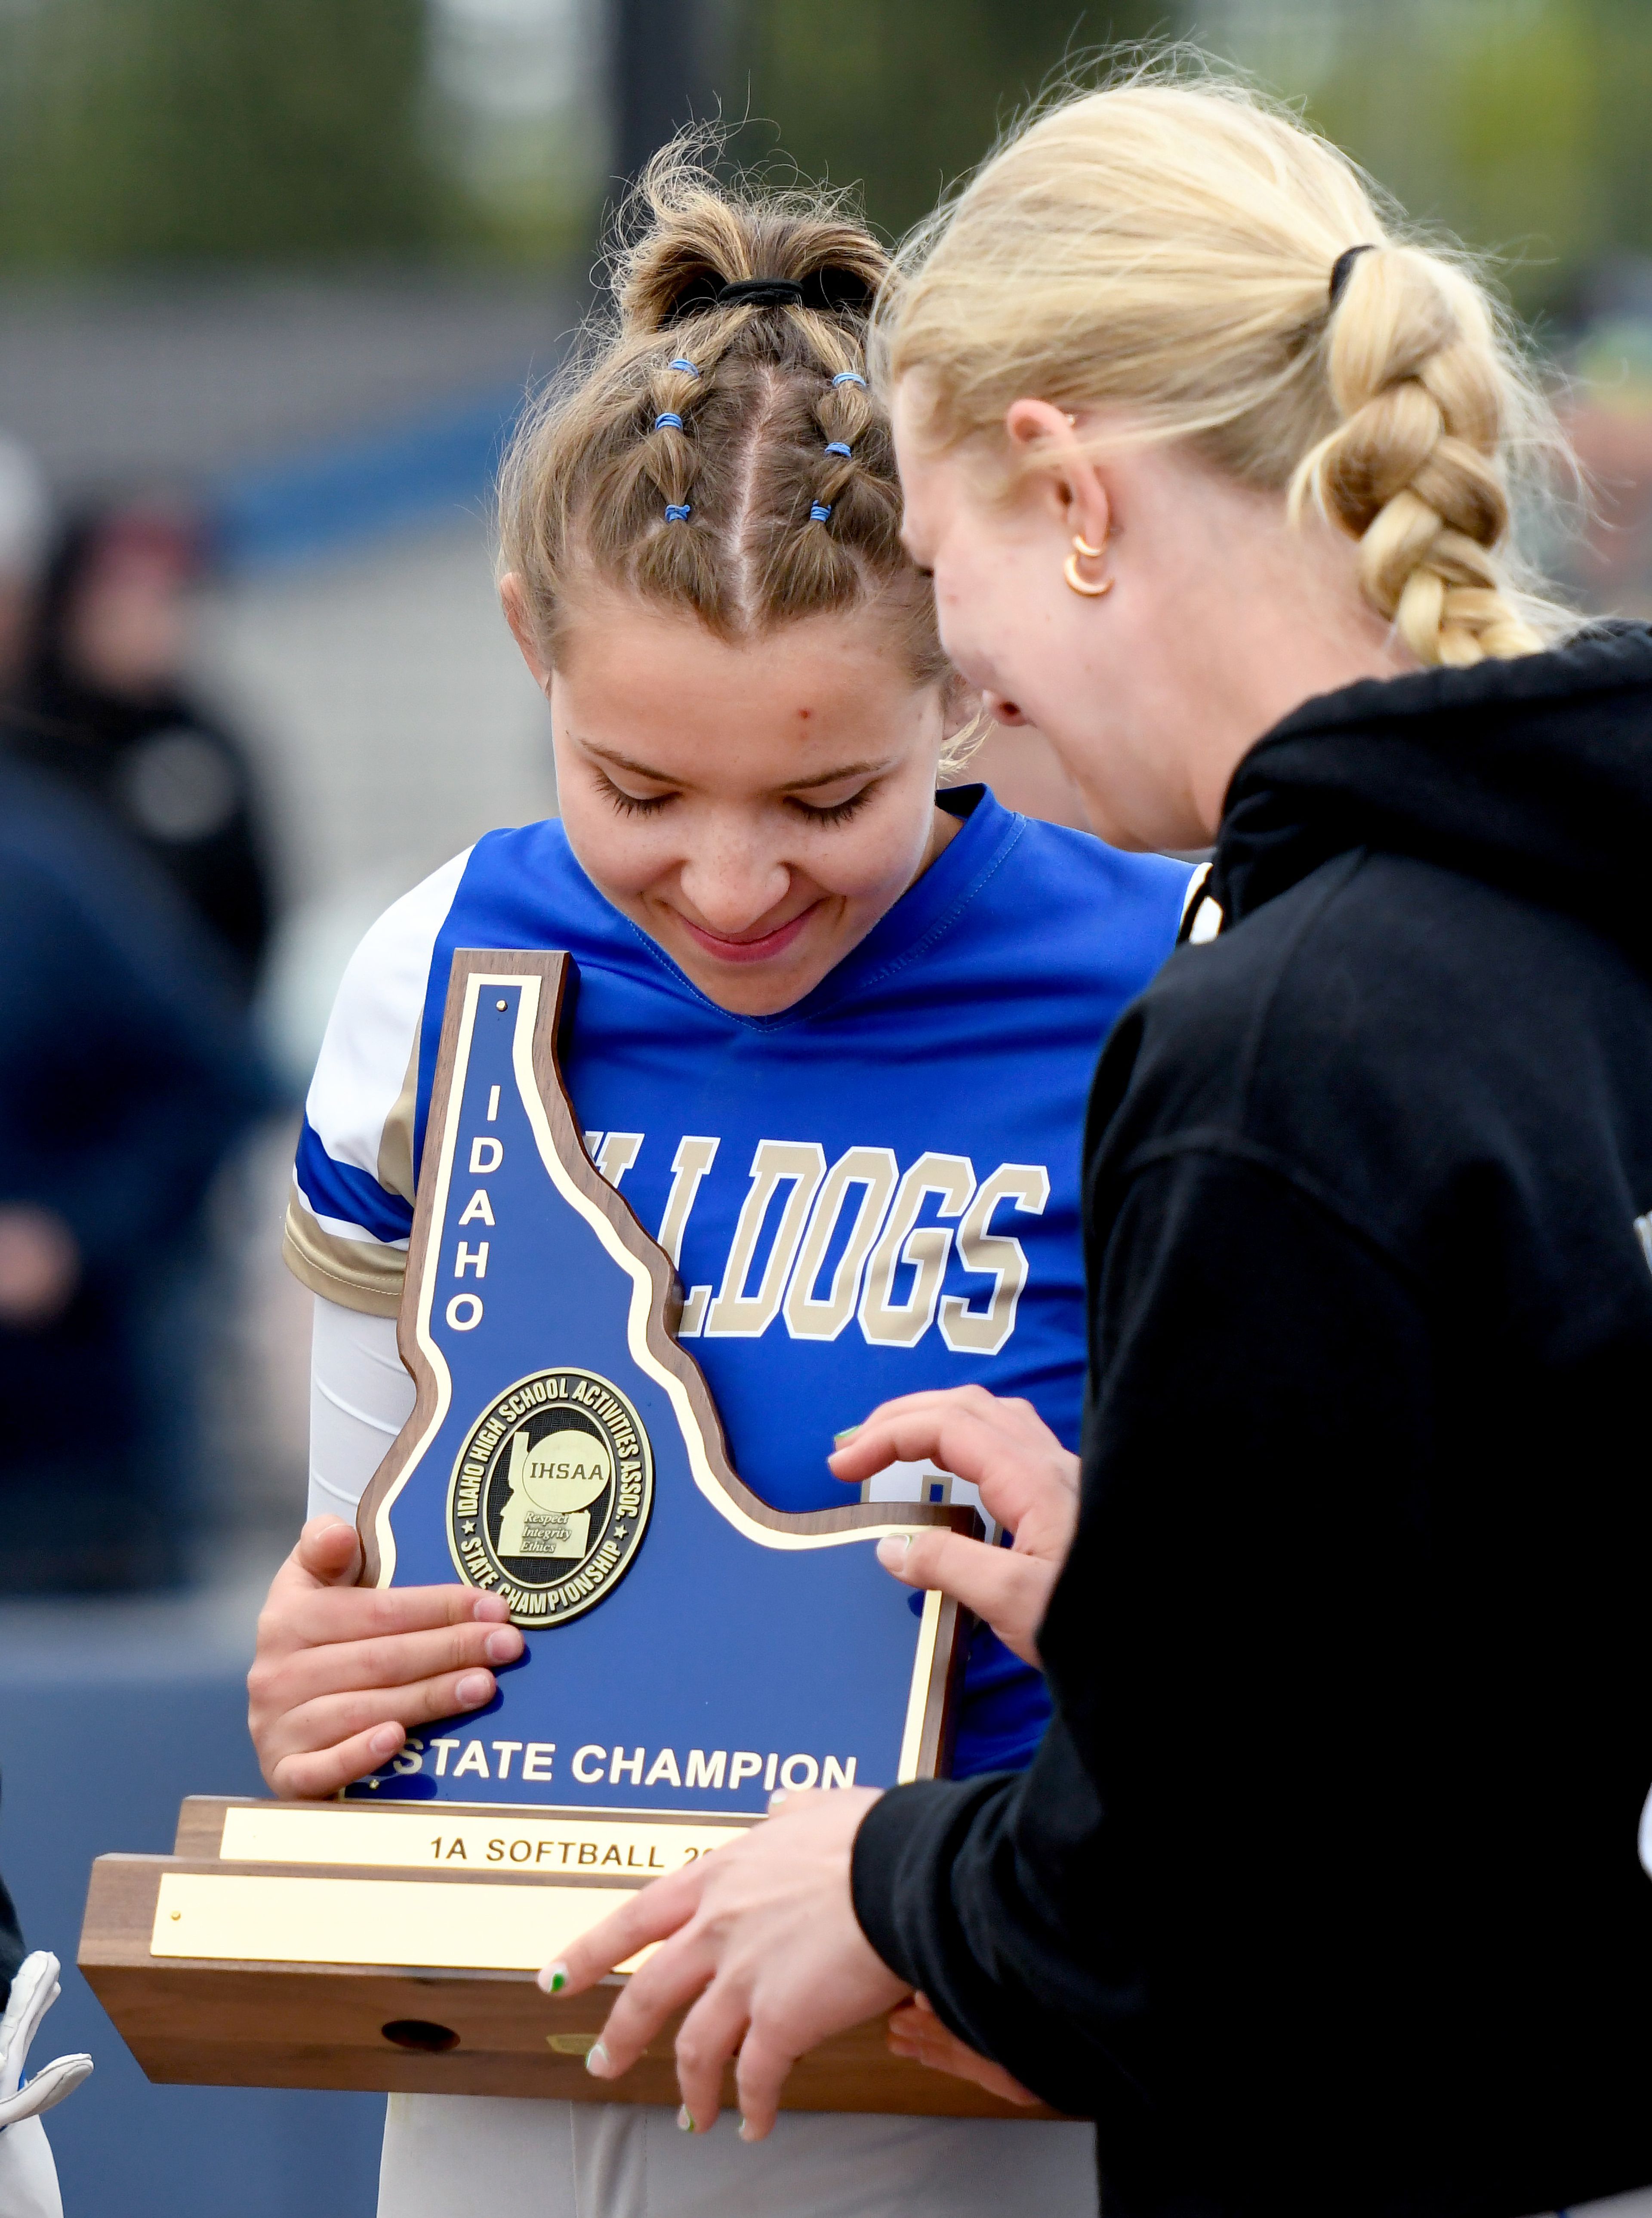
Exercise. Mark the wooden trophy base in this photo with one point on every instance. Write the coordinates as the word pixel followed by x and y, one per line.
pixel 237 1961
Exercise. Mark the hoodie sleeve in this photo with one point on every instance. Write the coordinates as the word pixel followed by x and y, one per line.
pixel 1235 1655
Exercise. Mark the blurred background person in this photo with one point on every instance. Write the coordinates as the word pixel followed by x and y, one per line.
pixel 104 703
pixel 126 1069
pixel 11 1944
pixel 25 525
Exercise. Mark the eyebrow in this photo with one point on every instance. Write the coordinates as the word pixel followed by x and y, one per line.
pixel 796 785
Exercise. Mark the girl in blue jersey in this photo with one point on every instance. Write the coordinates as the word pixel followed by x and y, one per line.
pixel 832 1037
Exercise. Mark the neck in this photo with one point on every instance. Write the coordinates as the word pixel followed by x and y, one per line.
pixel 1290 661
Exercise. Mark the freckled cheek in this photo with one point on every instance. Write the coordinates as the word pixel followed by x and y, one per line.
pixel 624 860
pixel 869 869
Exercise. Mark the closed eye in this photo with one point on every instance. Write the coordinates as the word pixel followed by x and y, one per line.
pixel 836 811
pixel 632 804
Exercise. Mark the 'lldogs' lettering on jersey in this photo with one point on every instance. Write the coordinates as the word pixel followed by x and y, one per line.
pixel 819 1245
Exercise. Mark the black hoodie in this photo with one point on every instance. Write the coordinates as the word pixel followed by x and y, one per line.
pixel 1322 1892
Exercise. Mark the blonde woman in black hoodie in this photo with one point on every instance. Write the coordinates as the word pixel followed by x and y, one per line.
pixel 1322 1894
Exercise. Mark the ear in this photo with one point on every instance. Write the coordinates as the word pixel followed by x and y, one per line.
pixel 513 599
pixel 1070 484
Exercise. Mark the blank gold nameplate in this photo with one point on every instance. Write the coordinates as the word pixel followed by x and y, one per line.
pixel 386 1921
pixel 450 1840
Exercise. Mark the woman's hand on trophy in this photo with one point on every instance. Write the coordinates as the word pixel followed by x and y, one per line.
pixel 1027 1482
pixel 915 2032
pixel 759 1942
pixel 342 1673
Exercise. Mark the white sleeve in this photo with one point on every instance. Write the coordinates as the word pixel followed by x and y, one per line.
pixel 361 1397
pixel 373 1031
pixel 351 1204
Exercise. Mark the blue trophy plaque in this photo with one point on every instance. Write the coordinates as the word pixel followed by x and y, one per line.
pixel 688 1651
pixel 689 1648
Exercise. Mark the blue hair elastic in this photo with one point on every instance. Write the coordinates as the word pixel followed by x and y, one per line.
pixel 849 377
pixel 683 363
pixel 837 447
pixel 819 513
pixel 670 417
pixel 678 512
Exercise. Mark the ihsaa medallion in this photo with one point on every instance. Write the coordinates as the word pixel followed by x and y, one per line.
pixel 550 1494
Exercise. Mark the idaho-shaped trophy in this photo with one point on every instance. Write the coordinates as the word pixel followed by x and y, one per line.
pixel 688 1649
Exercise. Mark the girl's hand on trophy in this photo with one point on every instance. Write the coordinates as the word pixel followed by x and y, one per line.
pixel 343 1674
pixel 759 1942
pixel 915 2032
pixel 1027 1482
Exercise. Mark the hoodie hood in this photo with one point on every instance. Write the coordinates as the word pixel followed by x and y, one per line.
pixel 1533 774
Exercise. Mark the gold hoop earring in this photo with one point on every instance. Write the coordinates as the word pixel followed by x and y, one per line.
pixel 1092 591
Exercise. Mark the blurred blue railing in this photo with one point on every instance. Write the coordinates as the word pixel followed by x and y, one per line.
pixel 280 514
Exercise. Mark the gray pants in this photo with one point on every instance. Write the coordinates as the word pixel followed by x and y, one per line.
pixel 619 2160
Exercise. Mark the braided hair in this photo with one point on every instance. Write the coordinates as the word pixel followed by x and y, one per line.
pixel 1177 250
pixel 1412 470
pixel 714 447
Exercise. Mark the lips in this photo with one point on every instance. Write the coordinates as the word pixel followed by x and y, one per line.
pixel 759 949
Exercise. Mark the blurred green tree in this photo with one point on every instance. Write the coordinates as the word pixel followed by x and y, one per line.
pixel 309 130
pixel 1519 125
pixel 901 96
pixel 149 130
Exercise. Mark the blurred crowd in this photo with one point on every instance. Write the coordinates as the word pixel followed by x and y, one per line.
pixel 135 914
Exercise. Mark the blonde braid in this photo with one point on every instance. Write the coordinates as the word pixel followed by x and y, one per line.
pixel 1412 470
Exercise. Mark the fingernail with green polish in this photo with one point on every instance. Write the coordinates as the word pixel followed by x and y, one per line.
pixel 554 1979
pixel 685 2120
pixel 842 1439
pixel 746 2134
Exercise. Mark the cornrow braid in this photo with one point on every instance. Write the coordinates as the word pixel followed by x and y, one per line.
pixel 720 454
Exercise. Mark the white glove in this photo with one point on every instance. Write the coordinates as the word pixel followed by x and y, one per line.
pixel 29 2179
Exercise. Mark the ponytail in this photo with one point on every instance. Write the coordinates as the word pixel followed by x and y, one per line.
pixel 716 447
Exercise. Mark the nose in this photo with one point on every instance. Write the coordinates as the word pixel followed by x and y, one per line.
pixel 732 881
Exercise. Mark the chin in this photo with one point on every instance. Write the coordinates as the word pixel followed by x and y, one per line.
pixel 753 989
pixel 752 997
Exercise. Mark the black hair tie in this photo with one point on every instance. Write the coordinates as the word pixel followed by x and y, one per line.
pixel 829 292
pixel 1342 268
pixel 762 293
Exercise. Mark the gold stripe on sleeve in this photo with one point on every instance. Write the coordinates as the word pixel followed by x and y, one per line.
pixel 396 1141
pixel 357 1274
